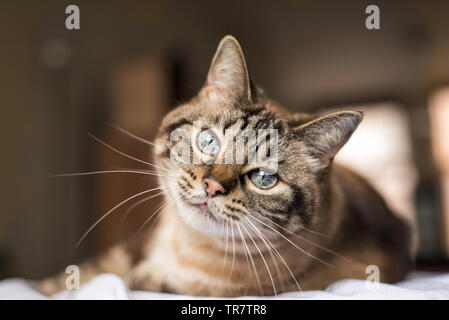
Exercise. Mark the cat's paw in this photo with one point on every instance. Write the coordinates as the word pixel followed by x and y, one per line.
pixel 49 286
pixel 145 277
pixel 143 283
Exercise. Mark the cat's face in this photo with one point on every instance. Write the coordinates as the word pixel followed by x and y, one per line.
pixel 210 193
pixel 217 181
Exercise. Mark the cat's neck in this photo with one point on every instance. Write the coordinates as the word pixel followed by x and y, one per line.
pixel 183 234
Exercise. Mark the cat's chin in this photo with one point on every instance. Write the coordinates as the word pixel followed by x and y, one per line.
pixel 203 210
pixel 201 218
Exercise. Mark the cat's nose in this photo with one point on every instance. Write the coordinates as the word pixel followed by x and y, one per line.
pixel 213 187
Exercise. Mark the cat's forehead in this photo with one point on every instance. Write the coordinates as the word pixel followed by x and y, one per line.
pixel 221 117
pixel 230 114
pixel 219 114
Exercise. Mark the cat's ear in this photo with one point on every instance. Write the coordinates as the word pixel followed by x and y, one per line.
pixel 323 137
pixel 228 75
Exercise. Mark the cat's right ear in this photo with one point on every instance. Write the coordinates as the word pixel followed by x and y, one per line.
pixel 228 77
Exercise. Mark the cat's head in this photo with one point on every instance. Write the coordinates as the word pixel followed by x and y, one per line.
pixel 215 179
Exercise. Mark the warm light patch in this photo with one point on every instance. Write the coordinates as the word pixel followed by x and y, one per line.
pixel 439 121
pixel 381 151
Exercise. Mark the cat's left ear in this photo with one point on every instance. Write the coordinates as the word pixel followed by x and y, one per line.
pixel 228 76
pixel 323 137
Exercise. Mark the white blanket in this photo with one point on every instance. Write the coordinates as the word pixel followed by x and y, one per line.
pixel 108 286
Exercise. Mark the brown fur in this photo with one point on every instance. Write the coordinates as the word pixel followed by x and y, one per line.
pixel 319 223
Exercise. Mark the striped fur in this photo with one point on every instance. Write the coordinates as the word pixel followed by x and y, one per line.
pixel 318 224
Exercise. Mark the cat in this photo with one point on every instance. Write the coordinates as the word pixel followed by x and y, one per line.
pixel 248 229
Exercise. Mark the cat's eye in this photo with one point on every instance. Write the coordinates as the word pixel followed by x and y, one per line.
pixel 263 178
pixel 208 142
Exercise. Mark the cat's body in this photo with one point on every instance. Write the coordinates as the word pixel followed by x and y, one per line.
pixel 362 234
pixel 243 229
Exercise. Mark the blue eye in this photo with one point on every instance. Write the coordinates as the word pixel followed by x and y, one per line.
pixel 208 142
pixel 263 179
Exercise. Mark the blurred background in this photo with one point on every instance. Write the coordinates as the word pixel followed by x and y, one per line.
pixel 132 61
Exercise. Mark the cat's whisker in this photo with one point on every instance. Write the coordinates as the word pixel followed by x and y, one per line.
pixel 146 170
pixel 263 258
pixel 281 216
pixel 273 258
pixel 161 207
pixel 252 260
pixel 246 255
pixel 128 133
pixel 315 232
pixel 294 244
pixel 138 203
pixel 280 256
pixel 302 227
pixel 151 216
pixel 227 244
pixel 158 216
pixel 110 211
pixel 313 243
pixel 233 250
pixel 105 172
pixel 155 221
pixel 124 154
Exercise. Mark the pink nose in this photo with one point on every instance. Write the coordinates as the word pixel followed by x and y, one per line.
pixel 213 187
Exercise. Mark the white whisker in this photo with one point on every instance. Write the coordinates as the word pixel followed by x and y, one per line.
pixel 294 244
pixel 252 261
pixel 262 236
pixel 313 243
pixel 110 211
pixel 273 258
pixel 263 259
pixel 227 243
pixel 138 203
pixel 233 250
pixel 271 215
pixel 163 205
pixel 124 154
pixel 104 172
pixel 128 133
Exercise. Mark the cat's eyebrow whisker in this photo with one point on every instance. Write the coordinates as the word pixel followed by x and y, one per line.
pixel 138 203
pixel 104 172
pixel 252 260
pixel 109 212
pixel 263 259
pixel 124 154
pixel 294 244
pixel 128 133
pixel 262 236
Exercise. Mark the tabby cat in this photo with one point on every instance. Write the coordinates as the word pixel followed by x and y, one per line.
pixel 248 229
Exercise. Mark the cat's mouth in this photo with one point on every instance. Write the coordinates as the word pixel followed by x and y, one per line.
pixel 204 206
pixel 204 209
